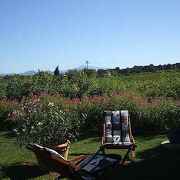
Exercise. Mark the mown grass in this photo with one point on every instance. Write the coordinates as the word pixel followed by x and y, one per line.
pixel 11 154
pixel 91 145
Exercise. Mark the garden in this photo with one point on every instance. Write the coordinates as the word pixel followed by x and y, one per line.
pixel 48 109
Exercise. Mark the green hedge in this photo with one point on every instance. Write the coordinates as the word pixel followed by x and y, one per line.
pixel 75 118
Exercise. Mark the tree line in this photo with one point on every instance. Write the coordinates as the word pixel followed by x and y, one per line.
pixel 117 70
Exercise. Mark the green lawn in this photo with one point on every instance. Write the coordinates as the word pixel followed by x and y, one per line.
pixel 11 154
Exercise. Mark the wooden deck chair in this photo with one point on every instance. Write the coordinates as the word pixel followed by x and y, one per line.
pixel 81 167
pixel 51 161
pixel 117 133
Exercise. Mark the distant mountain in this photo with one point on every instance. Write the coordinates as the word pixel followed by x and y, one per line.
pixel 7 74
pixel 28 73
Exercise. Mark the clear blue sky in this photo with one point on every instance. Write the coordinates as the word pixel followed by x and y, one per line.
pixel 41 34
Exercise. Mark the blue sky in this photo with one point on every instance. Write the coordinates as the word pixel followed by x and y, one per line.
pixel 41 34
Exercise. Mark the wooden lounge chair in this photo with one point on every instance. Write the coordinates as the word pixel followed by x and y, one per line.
pixel 81 167
pixel 117 133
pixel 51 161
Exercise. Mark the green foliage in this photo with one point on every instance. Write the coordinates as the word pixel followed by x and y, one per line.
pixel 45 124
pixel 167 85
pixel 3 85
pixel 83 98
pixel 77 86
pixel 94 88
pixel 42 82
pixel 53 119
pixel 6 108
pixel 81 83
pixel 68 88
pixel 92 114
pixel 163 117
pixel 14 89
pixel 17 88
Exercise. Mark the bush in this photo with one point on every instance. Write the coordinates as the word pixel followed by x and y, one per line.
pixel 68 88
pixel 42 82
pixel 17 88
pixel 91 111
pixel 6 109
pixel 158 119
pixel 14 89
pixel 45 124
pixel 2 88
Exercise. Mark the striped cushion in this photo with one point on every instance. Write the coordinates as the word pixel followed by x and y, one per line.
pixel 116 127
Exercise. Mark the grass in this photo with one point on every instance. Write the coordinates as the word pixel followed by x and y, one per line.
pixel 11 155
pixel 10 152
pixel 90 145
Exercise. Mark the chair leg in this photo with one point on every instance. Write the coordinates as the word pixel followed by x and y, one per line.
pixel 125 157
pixel 132 155
pixel 58 178
pixel 66 153
pixel 102 150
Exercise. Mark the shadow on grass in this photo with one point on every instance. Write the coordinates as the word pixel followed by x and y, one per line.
pixel 21 171
pixel 150 153
pixel 150 136
pixel 86 136
pixel 159 163
pixel 7 134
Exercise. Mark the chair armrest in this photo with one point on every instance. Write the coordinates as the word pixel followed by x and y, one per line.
pixel 63 146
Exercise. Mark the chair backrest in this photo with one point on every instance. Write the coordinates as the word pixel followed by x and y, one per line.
pixel 117 128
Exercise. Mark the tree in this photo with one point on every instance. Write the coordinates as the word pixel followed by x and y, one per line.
pixel 56 71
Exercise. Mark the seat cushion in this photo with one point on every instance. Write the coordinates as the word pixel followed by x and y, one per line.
pixel 117 128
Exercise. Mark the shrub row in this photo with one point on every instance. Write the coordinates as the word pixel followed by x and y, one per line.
pixel 159 84
pixel 51 120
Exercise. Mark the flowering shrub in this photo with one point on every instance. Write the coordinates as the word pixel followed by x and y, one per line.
pixel 45 124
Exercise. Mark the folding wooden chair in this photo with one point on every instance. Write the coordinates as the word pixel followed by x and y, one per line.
pixel 51 161
pixel 117 133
